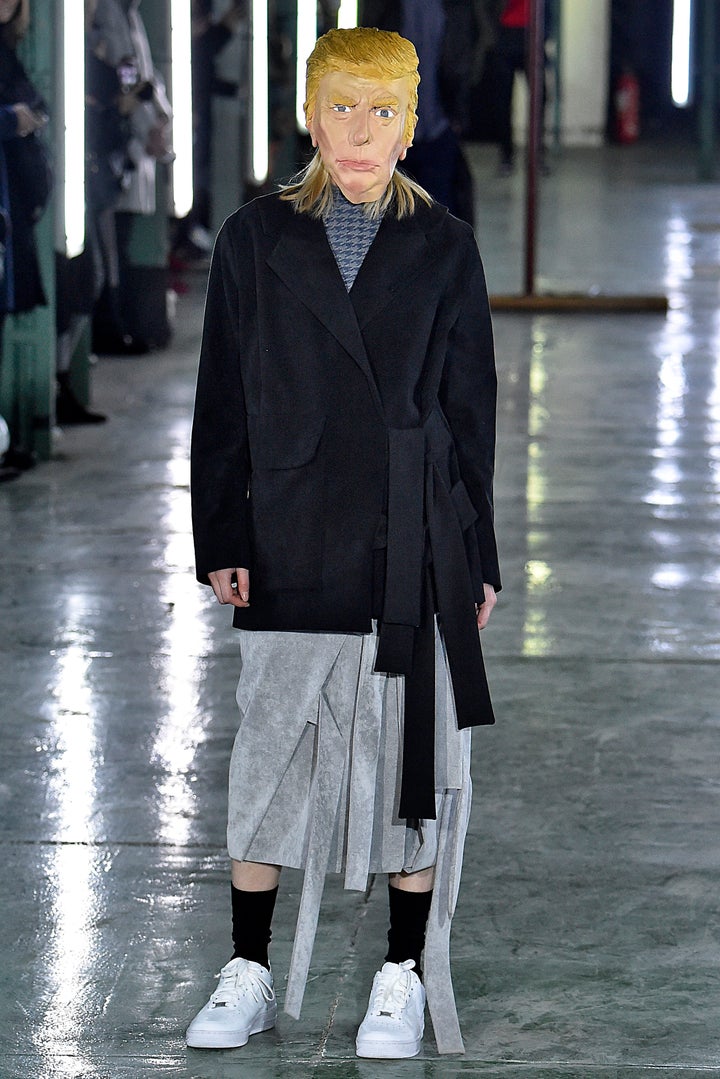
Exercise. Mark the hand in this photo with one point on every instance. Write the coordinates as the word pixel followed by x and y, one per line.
pixel 485 609
pixel 236 592
pixel 27 120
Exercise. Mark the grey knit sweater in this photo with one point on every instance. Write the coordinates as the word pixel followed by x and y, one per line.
pixel 350 233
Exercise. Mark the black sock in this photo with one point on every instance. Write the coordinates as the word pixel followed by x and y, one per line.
pixel 251 918
pixel 408 919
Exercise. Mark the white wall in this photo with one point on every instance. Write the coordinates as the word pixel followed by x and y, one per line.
pixel 584 61
pixel 585 52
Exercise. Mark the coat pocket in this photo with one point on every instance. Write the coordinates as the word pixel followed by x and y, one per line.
pixel 287 503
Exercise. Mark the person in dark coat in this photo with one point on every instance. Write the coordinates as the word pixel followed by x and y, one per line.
pixel 22 113
pixel 446 36
pixel 510 56
pixel 342 464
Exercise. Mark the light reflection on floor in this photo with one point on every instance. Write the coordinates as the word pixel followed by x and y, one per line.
pixel 186 641
pixel 73 890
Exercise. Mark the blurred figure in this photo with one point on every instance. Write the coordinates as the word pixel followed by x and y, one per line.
pixel 25 188
pixel 445 37
pixel 117 39
pixel 80 280
pixel 510 56
pixel 193 237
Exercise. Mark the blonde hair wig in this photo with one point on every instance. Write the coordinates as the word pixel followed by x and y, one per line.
pixel 367 53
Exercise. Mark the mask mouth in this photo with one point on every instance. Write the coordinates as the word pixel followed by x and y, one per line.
pixel 357 164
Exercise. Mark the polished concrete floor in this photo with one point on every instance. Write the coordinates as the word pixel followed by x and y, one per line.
pixel 586 941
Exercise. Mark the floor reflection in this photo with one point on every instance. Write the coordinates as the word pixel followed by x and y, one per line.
pixel 72 889
pixel 536 637
pixel 181 662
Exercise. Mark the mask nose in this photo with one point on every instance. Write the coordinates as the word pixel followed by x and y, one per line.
pixel 360 130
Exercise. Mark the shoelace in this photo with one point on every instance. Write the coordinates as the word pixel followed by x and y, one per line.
pixel 392 991
pixel 240 980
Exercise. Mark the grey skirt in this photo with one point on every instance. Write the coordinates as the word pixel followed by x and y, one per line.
pixel 314 784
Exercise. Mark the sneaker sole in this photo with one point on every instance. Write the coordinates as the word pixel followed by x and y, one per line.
pixel 224 1039
pixel 387 1050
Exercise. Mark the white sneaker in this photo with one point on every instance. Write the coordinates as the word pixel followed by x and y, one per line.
pixel 243 1004
pixel 394 1021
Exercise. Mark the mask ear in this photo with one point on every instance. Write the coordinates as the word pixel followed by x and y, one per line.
pixel 310 124
pixel 403 152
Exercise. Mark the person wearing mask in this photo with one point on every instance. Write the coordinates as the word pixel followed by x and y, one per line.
pixel 341 477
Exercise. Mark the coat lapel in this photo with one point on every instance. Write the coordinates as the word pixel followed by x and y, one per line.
pixel 399 254
pixel 303 260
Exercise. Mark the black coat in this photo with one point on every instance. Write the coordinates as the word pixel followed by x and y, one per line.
pixel 343 443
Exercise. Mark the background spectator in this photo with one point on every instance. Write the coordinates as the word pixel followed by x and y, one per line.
pixel 193 237
pixel 445 37
pixel 25 188
pixel 118 39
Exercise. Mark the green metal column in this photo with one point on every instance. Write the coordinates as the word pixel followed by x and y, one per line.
pixel 27 383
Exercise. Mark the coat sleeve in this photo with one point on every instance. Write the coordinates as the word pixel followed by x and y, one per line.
pixel 467 394
pixel 219 458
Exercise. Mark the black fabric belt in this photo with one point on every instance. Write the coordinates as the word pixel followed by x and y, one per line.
pixel 427 568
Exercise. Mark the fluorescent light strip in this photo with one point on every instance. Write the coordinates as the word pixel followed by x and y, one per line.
pixel 306 37
pixel 259 151
pixel 680 70
pixel 347 14
pixel 181 83
pixel 74 127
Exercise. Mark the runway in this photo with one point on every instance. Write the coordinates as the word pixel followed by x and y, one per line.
pixel 586 941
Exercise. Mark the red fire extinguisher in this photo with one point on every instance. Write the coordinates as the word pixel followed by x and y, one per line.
pixel 627 107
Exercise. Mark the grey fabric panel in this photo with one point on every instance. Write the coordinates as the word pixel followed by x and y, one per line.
pixel 278 692
pixel 326 792
pixel 363 768
pixel 452 825
pixel 314 781
pixel 273 840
